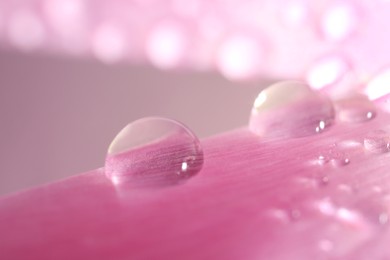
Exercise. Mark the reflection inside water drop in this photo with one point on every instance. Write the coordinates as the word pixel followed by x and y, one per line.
pixel 153 151
pixel 377 141
pixel 290 109
pixel 355 109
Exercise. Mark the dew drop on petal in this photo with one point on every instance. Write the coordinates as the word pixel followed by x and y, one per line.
pixel 377 141
pixel 153 151
pixel 290 109
pixel 355 109
pixel 334 156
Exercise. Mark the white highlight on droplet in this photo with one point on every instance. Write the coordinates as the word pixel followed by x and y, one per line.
pixel 108 43
pixel 326 71
pixel 166 45
pixel 240 57
pixel 339 21
pixel 321 126
pixel 25 30
pixel 184 166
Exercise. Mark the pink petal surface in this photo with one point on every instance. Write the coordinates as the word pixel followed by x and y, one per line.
pixel 252 200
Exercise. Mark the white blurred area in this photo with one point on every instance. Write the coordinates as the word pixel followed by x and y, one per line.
pixel 58 116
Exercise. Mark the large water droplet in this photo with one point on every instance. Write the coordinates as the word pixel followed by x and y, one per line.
pixel 355 109
pixel 290 109
pixel 377 141
pixel 153 151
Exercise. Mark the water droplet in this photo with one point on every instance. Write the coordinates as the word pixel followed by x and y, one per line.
pixel 334 156
pixel 154 151
pixel 323 181
pixel 355 109
pixel 377 141
pixel 290 109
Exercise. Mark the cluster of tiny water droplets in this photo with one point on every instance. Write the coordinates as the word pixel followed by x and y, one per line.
pixel 346 226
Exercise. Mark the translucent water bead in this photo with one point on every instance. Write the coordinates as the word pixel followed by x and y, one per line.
pixel 290 109
pixel 153 151
pixel 355 109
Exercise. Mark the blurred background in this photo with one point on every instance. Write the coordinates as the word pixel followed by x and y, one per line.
pixel 58 116
pixel 74 72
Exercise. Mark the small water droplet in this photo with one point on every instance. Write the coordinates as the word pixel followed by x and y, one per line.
pixel 355 109
pixel 154 151
pixel 323 181
pixel 377 141
pixel 290 109
pixel 334 156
